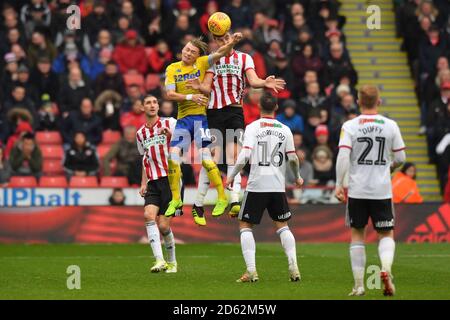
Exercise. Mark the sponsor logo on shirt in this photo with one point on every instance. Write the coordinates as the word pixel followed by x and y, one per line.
pixel 153 141
pixel 268 124
pixel 365 120
pixel 186 76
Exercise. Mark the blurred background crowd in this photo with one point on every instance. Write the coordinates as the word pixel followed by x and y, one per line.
pixel 70 99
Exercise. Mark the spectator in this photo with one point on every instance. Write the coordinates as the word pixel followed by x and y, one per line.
pixel 40 46
pixel 126 154
pixel 240 13
pixel 122 26
pixel 73 91
pixel 110 79
pixel 107 106
pixel 313 100
pixel 127 10
pixel 251 105
pixel 324 172
pixel 23 79
pixel 80 159
pixel 35 14
pixel 26 157
pixel 47 115
pixel 246 46
pixel 289 117
pixel 10 74
pixel 103 41
pixel 98 64
pixel 97 21
pixel 44 80
pixel 159 57
pixel 135 117
pixel 70 57
pixel 20 100
pixel 310 128
pixel 22 128
pixel 339 65
pixel 5 168
pixel 211 7
pixel 307 60
pixel 117 198
pixel 434 46
pixel 130 54
pixel 83 120
pixel 182 28
pixel 404 186
pixel 438 120
pixel 133 94
pixel 167 109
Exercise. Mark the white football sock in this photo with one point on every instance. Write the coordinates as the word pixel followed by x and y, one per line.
pixel 236 187
pixel 248 249
pixel 386 249
pixel 358 260
pixel 154 239
pixel 288 243
pixel 169 242
pixel 202 189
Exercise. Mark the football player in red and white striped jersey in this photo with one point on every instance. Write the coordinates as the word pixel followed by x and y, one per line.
pixel 225 82
pixel 153 140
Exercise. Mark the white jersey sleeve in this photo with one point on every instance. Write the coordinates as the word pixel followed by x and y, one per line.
pixel 290 148
pixel 345 139
pixel 249 63
pixel 139 143
pixel 397 143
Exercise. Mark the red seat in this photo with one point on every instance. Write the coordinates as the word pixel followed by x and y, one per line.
pixel 53 182
pixel 114 182
pixel 48 137
pixel 110 136
pixel 52 167
pixel 137 79
pixel 52 151
pixel 83 182
pixel 22 182
pixel 152 81
pixel 102 150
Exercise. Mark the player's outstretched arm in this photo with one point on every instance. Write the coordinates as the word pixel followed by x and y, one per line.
pixel 225 49
pixel 270 82
pixel 342 167
pixel 204 86
pixel 200 99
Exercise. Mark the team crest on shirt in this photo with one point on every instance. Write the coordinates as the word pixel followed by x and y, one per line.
pixel 235 61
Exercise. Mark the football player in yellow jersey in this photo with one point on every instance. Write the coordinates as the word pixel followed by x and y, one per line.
pixel 192 122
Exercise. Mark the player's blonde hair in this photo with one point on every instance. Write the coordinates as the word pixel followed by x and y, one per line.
pixel 368 96
pixel 201 45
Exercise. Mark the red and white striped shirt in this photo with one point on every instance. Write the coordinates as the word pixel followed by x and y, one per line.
pixel 229 79
pixel 154 147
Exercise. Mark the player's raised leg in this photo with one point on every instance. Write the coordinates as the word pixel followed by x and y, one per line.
pixel 198 212
pixel 386 251
pixel 232 150
pixel 358 261
pixel 288 244
pixel 174 181
pixel 150 213
pixel 169 243
pixel 248 246
pixel 216 179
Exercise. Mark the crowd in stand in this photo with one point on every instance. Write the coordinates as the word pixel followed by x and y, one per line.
pixel 424 26
pixel 83 82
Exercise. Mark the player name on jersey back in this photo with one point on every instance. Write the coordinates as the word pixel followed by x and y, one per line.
pixel 372 139
pixel 269 141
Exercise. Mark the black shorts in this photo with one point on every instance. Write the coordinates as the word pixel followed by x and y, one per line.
pixel 381 212
pixel 158 194
pixel 254 204
pixel 227 118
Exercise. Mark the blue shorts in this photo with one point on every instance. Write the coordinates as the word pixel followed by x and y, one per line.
pixel 191 128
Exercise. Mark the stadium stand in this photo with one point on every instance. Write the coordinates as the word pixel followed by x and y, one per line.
pixel 302 41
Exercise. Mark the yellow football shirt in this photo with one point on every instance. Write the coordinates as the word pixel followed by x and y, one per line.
pixel 176 76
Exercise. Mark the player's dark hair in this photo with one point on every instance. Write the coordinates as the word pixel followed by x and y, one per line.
pixel 148 96
pixel 268 102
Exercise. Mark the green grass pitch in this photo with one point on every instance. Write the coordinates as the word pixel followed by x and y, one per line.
pixel 209 271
